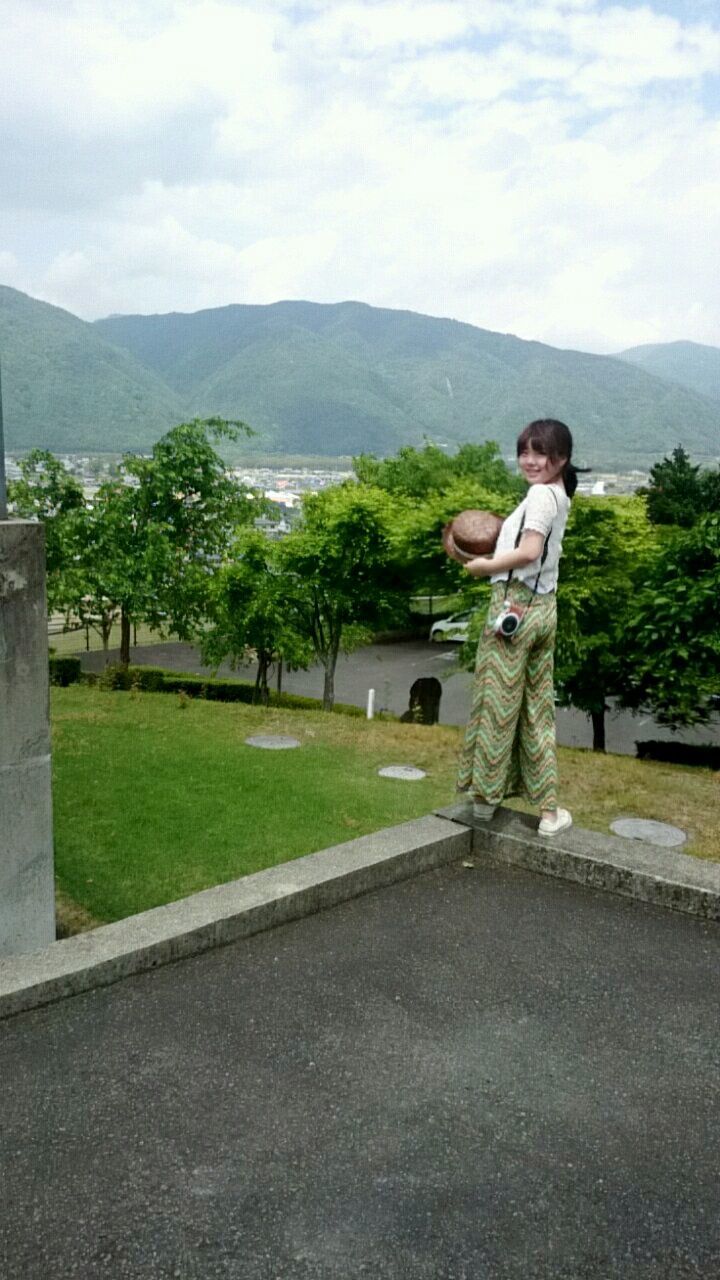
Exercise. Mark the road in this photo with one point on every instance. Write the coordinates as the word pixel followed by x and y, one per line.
pixel 390 669
pixel 473 1075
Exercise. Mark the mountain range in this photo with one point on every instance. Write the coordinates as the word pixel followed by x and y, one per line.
pixel 338 379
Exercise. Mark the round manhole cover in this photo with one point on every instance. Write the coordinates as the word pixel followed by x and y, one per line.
pixel 650 831
pixel 272 742
pixel 406 772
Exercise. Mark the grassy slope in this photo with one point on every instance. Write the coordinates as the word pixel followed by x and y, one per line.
pixel 156 798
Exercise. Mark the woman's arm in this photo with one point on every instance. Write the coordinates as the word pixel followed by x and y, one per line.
pixel 531 547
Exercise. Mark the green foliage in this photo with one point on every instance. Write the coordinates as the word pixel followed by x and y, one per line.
pixel 148 545
pixel 341 571
pixel 417 537
pixel 672 640
pixel 65 671
pixel 47 492
pixel 607 549
pixel 251 610
pixel 418 473
pixel 680 493
pixel 158 680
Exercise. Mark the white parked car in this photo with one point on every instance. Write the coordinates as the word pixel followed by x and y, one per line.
pixel 453 628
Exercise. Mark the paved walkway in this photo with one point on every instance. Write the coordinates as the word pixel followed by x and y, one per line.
pixel 474 1074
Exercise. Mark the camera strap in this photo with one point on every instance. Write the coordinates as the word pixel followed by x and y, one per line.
pixel 543 557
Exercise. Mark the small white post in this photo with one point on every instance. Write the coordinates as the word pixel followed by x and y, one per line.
pixel 371 704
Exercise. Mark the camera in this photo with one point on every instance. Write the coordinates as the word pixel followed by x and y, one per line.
pixel 508 621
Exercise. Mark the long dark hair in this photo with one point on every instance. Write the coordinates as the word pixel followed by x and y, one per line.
pixel 554 440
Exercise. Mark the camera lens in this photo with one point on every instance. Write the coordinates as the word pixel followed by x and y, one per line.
pixel 509 624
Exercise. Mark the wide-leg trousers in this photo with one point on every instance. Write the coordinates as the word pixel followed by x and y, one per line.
pixel 509 745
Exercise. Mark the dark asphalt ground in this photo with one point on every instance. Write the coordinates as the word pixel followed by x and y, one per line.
pixel 475 1074
pixel 390 669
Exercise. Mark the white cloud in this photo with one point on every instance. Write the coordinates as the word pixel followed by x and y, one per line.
pixel 545 168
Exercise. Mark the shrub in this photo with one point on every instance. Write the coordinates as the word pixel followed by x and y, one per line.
pixel 157 680
pixel 65 671
pixel 705 756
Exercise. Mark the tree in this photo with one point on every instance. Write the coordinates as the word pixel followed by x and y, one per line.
pixel 680 493
pixel 672 642
pixel 46 491
pixel 179 518
pixel 606 552
pixel 145 549
pixel 417 527
pixel 341 571
pixel 251 610
pixel 418 473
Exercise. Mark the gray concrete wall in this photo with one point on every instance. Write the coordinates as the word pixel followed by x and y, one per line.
pixel 27 903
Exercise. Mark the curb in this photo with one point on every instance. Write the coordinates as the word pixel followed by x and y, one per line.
pixel 633 869
pixel 228 912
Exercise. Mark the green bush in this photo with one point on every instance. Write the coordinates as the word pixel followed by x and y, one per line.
pixel 157 680
pixel 149 679
pixel 65 671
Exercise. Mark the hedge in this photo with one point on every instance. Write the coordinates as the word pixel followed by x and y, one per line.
pixel 705 756
pixel 65 671
pixel 158 680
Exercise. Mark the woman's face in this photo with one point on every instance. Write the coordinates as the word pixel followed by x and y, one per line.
pixel 537 468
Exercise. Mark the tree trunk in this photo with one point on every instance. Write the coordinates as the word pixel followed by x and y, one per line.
pixel 598 725
pixel 279 674
pixel 329 685
pixel 124 639
pixel 261 693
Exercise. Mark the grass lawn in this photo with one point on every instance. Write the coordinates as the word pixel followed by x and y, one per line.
pixel 157 796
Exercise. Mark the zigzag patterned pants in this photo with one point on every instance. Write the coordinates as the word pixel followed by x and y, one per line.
pixel 509 746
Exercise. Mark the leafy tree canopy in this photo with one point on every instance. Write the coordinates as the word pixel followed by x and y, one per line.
pixel 417 473
pixel 672 641
pixel 46 491
pixel 251 609
pixel 680 493
pixel 341 570
pixel 608 547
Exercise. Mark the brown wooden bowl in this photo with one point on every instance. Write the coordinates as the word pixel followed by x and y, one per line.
pixel 472 533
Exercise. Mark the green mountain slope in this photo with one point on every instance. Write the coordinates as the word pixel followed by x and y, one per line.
pixel 691 364
pixel 66 388
pixel 337 379
pixel 327 380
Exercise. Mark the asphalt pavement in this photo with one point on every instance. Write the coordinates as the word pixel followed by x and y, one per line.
pixel 390 670
pixel 477 1073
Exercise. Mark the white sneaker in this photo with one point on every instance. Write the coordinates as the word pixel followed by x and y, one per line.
pixel 483 812
pixel 552 826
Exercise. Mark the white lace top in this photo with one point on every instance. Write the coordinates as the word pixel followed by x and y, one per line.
pixel 546 508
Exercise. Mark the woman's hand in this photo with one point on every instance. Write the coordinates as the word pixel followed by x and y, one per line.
pixel 481 566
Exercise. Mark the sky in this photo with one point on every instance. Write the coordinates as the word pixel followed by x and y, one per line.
pixel 547 169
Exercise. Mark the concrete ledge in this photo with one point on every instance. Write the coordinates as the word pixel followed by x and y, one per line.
pixel 228 912
pixel 663 877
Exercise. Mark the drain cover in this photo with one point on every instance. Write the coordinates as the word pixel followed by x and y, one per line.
pixel 406 772
pixel 648 830
pixel 272 742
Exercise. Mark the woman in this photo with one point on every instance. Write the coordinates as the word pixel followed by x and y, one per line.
pixel 509 746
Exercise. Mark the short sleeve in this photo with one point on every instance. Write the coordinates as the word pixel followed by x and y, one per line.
pixel 541 509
